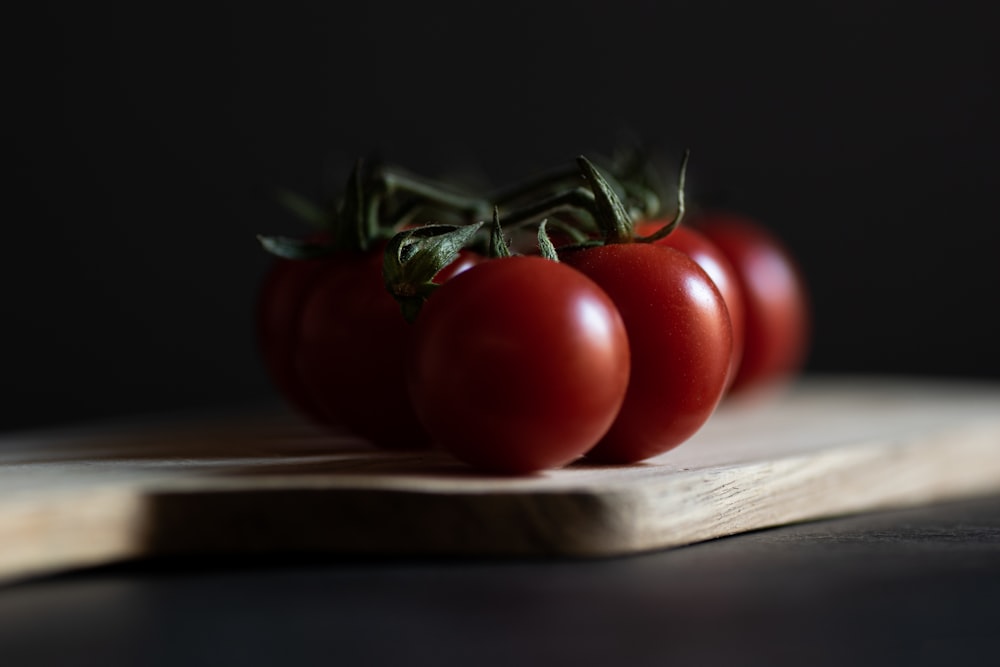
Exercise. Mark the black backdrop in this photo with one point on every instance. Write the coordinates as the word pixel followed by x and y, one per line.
pixel 143 141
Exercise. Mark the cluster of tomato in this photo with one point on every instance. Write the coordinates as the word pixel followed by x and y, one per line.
pixel 612 335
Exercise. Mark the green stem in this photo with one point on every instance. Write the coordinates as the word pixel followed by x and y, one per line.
pixel 471 208
pixel 550 182
pixel 546 183
pixel 575 200
pixel 394 180
pixel 572 231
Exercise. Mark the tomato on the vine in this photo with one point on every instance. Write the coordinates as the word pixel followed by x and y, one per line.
pixel 718 267
pixel 333 341
pixel 681 341
pixel 278 315
pixel 774 295
pixel 518 365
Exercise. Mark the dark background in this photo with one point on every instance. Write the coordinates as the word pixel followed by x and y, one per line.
pixel 143 143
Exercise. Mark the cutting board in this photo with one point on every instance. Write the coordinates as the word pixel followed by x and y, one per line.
pixel 265 482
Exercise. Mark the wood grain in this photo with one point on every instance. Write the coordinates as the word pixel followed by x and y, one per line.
pixel 266 483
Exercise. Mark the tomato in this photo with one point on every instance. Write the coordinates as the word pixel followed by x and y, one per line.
pixel 279 307
pixel 349 354
pixel 718 267
pixel 333 340
pixel 775 298
pixel 681 342
pixel 518 365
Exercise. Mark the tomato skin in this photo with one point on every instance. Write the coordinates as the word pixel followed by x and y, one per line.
pixel 710 257
pixel 280 299
pixel 518 365
pixel 681 341
pixel 349 353
pixel 775 297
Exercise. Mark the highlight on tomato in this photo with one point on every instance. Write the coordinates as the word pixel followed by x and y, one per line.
pixel 720 270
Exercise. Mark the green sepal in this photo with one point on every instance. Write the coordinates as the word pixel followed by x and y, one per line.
pixel 292 248
pixel 414 256
pixel 540 187
pixel 612 218
pixel 357 224
pixel 545 247
pixel 498 244
pixel 442 196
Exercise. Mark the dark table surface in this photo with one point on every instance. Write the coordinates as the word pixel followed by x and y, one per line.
pixel 916 587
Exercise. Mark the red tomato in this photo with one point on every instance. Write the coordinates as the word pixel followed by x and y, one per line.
pixel 718 267
pixel 518 365
pixel 279 313
pixel 777 310
pixel 333 340
pixel 681 341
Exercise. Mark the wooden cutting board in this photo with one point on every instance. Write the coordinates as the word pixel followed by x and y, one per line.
pixel 260 483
